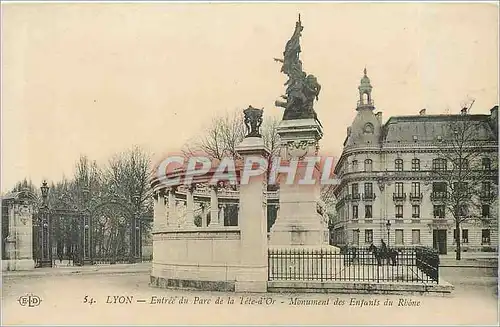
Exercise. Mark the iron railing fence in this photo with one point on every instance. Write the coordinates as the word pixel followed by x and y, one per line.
pixel 402 264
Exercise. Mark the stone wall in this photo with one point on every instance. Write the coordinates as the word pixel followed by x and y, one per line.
pixel 204 259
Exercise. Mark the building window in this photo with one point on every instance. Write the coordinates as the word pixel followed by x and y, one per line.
pixel 465 236
pixel 415 188
pixel 461 164
pixel 485 210
pixel 399 211
pixel 368 235
pixel 415 236
pixel 399 189
pixel 439 211
pixel 485 189
pixel 460 187
pixel 439 164
pixel 485 236
pixel 399 236
pixel 398 163
pixel 355 236
pixel 439 190
pixel 415 164
pixel 368 212
pixel 354 190
pixel 463 210
pixel 368 189
pixel 368 165
pixel 354 165
pixel 354 212
pixel 415 211
pixel 486 163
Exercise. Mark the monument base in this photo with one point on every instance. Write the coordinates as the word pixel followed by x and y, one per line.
pixel 299 231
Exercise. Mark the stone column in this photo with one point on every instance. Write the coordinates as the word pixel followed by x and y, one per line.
pixel 252 220
pixel 190 208
pixel 161 210
pixel 214 207
pixel 171 218
pixel 204 215
pixel 222 208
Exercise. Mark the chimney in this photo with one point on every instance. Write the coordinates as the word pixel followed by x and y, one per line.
pixel 422 112
pixel 464 111
pixel 379 117
pixel 494 113
pixel 494 118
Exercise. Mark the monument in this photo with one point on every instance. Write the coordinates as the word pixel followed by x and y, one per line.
pixel 298 222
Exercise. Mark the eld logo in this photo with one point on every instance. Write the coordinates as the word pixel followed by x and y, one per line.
pixel 29 300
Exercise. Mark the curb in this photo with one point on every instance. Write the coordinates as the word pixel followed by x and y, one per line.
pixel 466 266
pixel 76 272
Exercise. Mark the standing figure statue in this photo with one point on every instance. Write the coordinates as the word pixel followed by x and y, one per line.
pixel 302 89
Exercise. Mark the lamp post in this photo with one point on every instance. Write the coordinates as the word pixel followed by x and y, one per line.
pixel 133 228
pixel 86 235
pixel 388 226
pixel 45 241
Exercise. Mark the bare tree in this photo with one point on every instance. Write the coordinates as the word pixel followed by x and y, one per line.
pixel 464 170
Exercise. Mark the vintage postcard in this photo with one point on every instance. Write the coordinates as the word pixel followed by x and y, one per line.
pixel 264 163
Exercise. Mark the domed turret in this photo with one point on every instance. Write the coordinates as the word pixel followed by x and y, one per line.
pixel 365 93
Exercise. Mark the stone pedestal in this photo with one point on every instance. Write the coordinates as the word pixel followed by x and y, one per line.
pixel 252 274
pixel 298 222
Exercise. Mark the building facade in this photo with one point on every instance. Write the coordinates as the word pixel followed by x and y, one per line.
pixel 389 188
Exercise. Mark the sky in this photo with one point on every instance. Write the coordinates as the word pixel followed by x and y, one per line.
pixel 99 78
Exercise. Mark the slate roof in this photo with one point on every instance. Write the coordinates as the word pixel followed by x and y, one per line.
pixel 429 127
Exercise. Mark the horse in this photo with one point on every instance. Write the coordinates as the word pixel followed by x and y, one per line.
pixel 389 254
pixel 350 254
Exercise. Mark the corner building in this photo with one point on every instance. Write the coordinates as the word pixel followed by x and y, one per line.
pixel 387 191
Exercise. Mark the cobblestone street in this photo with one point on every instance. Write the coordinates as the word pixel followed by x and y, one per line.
pixel 474 301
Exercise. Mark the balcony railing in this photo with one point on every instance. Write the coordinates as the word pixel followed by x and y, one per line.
pixel 369 196
pixel 438 196
pixel 354 196
pixel 399 196
pixel 416 196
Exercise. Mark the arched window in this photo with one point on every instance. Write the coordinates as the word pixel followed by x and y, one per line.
pixel 398 163
pixel 368 165
pixel 354 165
pixel 439 164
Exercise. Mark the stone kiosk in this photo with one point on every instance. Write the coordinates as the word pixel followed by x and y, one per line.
pixel 212 255
pixel 17 232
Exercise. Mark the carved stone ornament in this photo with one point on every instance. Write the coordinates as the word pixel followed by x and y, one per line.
pixel 300 148
pixel 381 185
pixel 253 120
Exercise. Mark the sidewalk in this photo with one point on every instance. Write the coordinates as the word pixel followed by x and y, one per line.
pixel 128 268
pixel 470 259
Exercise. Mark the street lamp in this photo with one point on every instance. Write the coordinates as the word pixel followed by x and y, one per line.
pixel 388 226
pixel 44 236
pixel 134 228
pixel 86 236
pixel 45 192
